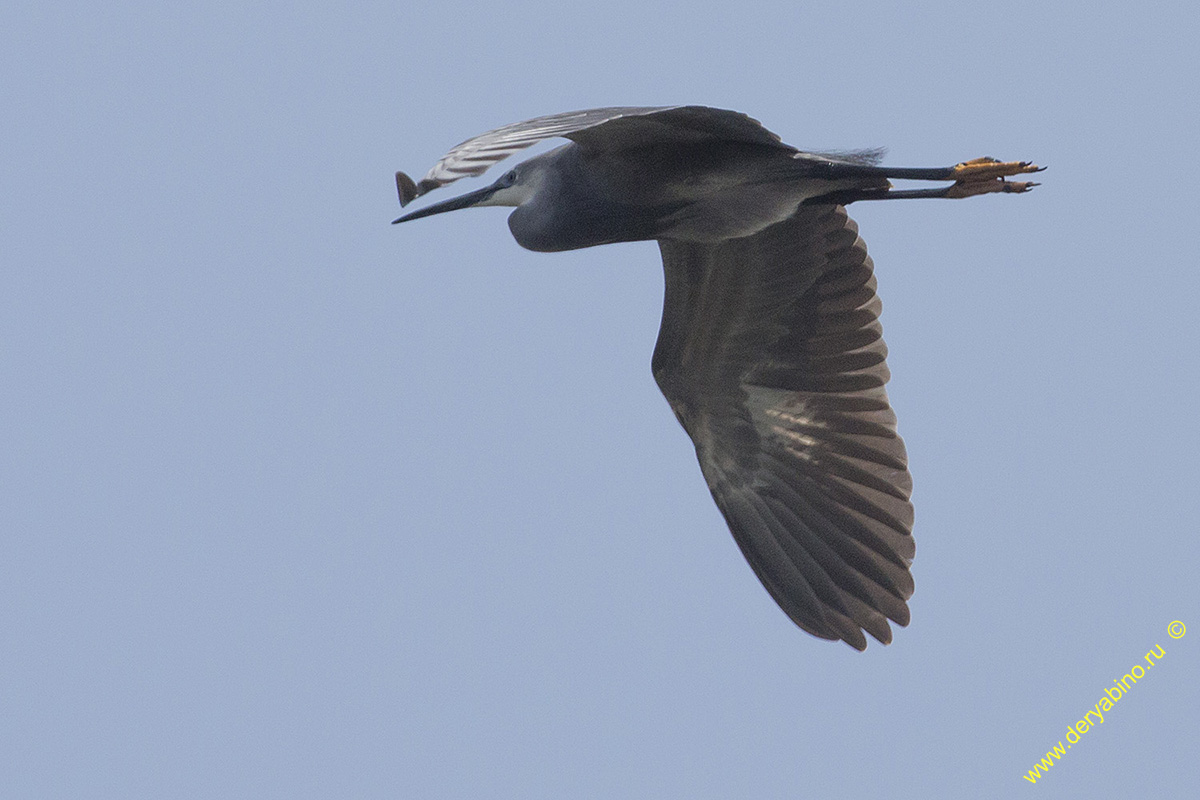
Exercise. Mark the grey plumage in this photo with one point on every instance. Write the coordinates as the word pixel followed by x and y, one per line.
pixel 770 351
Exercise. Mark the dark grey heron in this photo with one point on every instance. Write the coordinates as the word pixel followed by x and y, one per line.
pixel 770 352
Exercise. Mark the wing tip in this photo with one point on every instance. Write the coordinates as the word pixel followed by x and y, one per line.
pixel 409 190
pixel 856 640
pixel 406 187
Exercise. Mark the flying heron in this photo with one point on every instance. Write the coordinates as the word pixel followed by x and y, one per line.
pixel 770 352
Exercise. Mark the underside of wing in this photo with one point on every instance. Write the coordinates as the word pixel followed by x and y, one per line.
pixel 606 128
pixel 771 355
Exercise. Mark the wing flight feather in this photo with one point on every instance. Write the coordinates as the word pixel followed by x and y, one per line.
pixel 772 356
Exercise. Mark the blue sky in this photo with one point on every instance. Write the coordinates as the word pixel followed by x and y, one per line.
pixel 298 504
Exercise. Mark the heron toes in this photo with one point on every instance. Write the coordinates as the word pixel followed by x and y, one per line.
pixel 987 175
pixel 974 186
pixel 986 169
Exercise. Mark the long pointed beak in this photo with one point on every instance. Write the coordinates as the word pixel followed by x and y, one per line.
pixel 453 204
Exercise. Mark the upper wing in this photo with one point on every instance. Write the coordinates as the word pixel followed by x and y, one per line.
pixel 772 357
pixel 611 128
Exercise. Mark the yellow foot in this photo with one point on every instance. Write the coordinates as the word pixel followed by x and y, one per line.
pixel 986 169
pixel 973 186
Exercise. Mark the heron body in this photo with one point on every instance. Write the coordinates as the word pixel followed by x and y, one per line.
pixel 770 351
pixel 685 192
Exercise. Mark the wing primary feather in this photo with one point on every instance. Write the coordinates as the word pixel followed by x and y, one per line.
pixel 889 565
pixel 879 580
pixel 859 596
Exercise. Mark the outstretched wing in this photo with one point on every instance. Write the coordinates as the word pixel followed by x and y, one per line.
pixel 772 356
pixel 610 128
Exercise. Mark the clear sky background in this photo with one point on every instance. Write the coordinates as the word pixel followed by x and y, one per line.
pixel 297 504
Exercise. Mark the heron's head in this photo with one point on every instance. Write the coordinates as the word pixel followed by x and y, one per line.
pixel 513 188
pixel 551 212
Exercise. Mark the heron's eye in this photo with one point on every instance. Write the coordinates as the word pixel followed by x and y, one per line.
pixel 511 177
